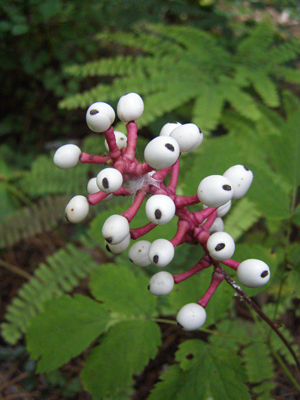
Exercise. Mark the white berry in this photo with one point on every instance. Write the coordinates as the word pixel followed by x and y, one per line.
pixel 92 186
pixel 115 229
pixel 220 246
pixel 77 209
pixel 161 283
pixel 188 136
pixel 240 178
pixel 162 152
pixel 130 107
pixel 100 116
pixel 222 210
pixel 161 252
pixel 121 140
pixel 168 128
pixel 138 253
pixel 67 156
pixel 191 316
pixel 119 247
pixel 215 190
pixel 109 180
pixel 253 273
pixel 217 226
pixel 160 209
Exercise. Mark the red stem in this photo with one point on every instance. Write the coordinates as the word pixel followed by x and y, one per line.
pixel 134 208
pixel 138 232
pixel 202 264
pixel 95 198
pixel 183 201
pixel 114 151
pixel 231 263
pixel 182 227
pixel 91 159
pixel 174 177
pixel 132 130
pixel 217 278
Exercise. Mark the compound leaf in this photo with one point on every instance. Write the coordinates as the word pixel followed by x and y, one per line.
pixel 203 371
pixel 66 327
pixel 122 291
pixel 124 350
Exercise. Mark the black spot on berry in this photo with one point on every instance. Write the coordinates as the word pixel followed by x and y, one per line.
pixel 157 214
pixel 190 356
pixel 247 169
pixel 105 183
pixel 109 239
pixel 93 112
pixel 220 246
pixel 226 187
pixel 108 248
pixel 264 274
pixel 155 259
pixel 169 146
pixel 148 287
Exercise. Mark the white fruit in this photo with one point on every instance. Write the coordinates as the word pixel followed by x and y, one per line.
pixel 240 178
pixel 161 283
pixel 217 226
pixel 67 156
pixel 253 273
pixel 220 246
pixel 92 186
pixel 161 252
pixel 188 136
pixel 100 116
pixel 215 190
pixel 168 128
pixel 115 229
pixel 121 140
pixel 138 253
pixel 160 209
pixel 109 180
pixel 161 152
pixel 191 316
pixel 119 247
pixel 77 209
pixel 130 107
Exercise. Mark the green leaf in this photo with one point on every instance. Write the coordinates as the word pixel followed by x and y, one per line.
pixel 122 291
pixel 258 371
pixel 66 328
pixel 203 371
pixel 124 350
pixel 241 218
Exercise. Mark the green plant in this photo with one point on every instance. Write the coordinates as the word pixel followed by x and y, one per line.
pixel 186 64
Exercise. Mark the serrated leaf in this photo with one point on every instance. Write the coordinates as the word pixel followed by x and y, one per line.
pixel 258 362
pixel 124 350
pixel 66 328
pixel 122 291
pixel 203 371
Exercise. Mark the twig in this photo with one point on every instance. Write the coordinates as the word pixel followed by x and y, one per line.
pixel 15 269
pixel 255 307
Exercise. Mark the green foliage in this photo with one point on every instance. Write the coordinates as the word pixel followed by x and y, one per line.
pixel 61 273
pixel 183 64
pixel 203 371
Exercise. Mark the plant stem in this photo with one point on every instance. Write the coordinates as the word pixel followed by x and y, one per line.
pixel 255 307
pixel 15 269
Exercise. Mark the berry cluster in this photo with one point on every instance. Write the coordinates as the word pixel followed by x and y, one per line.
pixel 124 175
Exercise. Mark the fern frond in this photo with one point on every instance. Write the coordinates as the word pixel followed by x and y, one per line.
pixel 45 178
pixel 29 221
pixel 60 274
pixel 208 108
pixel 252 51
pixel 265 87
pixel 290 75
